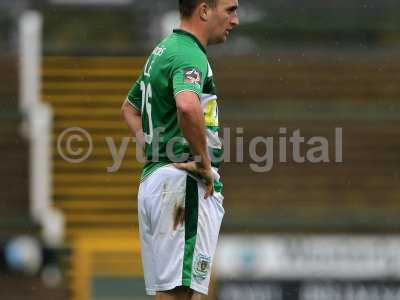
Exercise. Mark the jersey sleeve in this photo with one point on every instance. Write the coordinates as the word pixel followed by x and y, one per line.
pixel 189 73
pixel 135 95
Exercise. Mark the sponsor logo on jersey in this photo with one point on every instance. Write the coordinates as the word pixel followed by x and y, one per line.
pixel 201 267
pixel 192 76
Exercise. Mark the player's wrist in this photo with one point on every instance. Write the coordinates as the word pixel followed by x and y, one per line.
pixel 203 163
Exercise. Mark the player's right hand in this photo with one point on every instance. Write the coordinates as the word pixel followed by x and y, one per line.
pixel 201 172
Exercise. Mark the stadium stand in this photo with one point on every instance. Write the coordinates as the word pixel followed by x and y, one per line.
pixel 98 205
pixel 316 95
pixel 322 78
pixel 87 93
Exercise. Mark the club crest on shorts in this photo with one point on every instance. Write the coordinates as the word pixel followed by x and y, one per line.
pixel 201 267
pixel 192 76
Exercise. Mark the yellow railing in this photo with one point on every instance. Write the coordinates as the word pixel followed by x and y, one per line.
pixel 103 254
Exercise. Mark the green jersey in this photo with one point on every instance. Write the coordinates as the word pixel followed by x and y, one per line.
pixel 179 63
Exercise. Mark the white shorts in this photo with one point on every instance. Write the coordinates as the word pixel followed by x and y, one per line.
pixel 178 230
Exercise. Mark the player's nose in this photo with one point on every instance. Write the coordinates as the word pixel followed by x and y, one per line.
pixel 235 20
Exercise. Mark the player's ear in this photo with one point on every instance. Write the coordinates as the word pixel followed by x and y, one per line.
pixel 203 11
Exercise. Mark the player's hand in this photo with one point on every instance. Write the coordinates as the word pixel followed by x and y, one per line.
pixel 198 170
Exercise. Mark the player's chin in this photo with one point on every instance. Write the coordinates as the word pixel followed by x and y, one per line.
pixel 220 39
pixel 225 36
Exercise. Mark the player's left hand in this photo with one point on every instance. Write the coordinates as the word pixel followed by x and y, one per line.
pixel 204 174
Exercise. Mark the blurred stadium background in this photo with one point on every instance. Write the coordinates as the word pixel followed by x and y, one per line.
pixel 326 231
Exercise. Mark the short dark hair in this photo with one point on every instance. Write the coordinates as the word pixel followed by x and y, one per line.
pixel 187 7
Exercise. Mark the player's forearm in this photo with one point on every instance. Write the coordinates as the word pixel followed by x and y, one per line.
pixel 133 120
pixel 192 126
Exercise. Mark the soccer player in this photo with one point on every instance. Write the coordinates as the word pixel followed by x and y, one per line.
pixel 172 108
